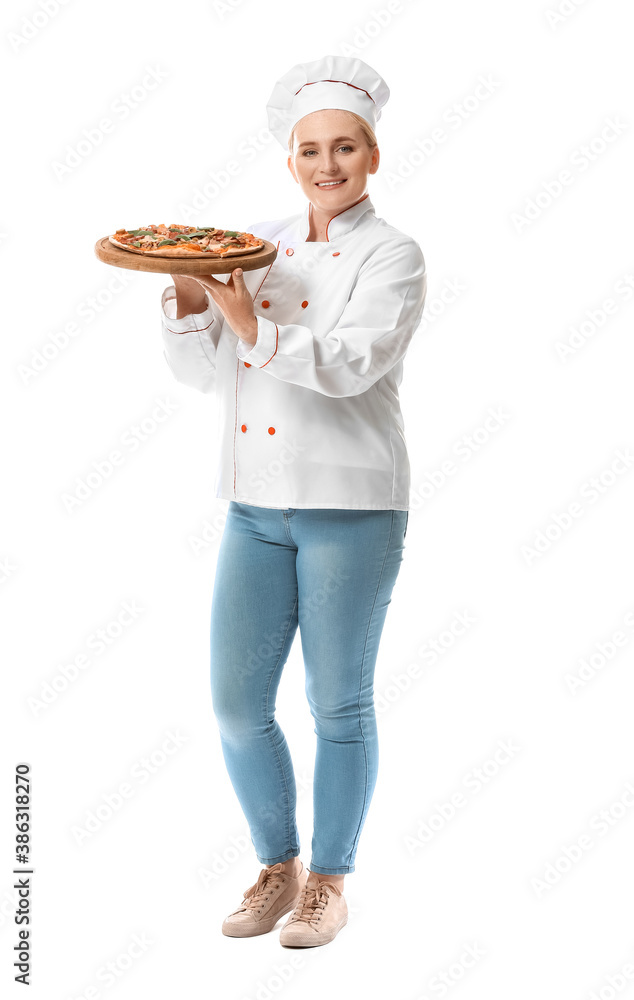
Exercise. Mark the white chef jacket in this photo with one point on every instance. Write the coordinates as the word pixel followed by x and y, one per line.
pixel 309 416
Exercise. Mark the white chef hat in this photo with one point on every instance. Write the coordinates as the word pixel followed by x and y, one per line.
pixel 330 82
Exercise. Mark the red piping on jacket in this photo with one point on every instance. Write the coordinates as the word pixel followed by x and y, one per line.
pixel 198 329
pixel 277 337
pixel 235 422
pixel 235 427
pixel 267 273
pixel 310 205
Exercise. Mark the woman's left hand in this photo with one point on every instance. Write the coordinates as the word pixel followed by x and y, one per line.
pixel 235 302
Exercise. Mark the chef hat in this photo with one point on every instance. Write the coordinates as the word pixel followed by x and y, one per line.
pixel 330 82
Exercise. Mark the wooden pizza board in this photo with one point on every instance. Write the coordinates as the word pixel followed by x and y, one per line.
pixel 110 254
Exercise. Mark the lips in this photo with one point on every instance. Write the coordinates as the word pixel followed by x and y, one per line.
pixel 331 184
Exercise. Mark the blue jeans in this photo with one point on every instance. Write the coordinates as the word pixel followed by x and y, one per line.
pixel 330 571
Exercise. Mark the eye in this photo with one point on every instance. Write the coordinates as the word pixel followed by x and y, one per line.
pixel 307 152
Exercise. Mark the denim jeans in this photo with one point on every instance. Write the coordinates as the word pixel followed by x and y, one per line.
pixel 330 572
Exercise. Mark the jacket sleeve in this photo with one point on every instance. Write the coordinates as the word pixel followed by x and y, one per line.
pixel 384 309
pixel 190 343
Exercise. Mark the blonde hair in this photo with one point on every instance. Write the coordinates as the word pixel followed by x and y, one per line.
pixel 366 128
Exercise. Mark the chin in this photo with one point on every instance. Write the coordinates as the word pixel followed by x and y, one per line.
pixel 344 193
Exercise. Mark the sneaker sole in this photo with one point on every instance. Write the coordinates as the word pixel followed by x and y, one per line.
pixel 314 944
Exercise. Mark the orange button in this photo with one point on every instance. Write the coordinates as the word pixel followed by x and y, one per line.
pixel 244 427
pixel 304 304
pixel 266 304
pixel 290 252
pixel 271 430
pixel 337 254
pixel 247 364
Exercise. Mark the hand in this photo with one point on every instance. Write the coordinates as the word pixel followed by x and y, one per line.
pixel 190 296
pixel 235 302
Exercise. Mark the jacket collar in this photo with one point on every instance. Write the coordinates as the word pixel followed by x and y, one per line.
pixel 339 224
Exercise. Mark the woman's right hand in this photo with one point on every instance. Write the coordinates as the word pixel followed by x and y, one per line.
pixel 190 296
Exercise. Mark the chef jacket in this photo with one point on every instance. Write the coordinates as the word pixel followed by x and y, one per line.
pixel 309 416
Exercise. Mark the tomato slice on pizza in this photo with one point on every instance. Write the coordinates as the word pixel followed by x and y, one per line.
pixel 186 241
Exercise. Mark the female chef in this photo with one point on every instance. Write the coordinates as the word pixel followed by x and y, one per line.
pixel 305 359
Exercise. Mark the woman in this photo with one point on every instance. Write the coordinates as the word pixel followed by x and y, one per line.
pixel 305 359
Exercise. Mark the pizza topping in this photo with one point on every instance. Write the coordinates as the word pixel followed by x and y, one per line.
pixel 201 240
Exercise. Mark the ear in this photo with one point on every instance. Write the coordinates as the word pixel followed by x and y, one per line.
pixel 376 157
pixel 292 168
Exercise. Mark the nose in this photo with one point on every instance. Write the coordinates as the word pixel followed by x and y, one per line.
pixel 329 162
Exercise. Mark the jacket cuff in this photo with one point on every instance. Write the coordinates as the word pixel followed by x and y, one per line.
pixel 193 323
pixel 265 347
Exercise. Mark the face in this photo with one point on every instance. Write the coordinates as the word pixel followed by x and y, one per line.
pixel 329 146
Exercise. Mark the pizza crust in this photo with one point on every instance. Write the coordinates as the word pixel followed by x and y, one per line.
pixel 168 251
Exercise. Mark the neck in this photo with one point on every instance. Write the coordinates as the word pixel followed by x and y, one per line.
pixel 318 220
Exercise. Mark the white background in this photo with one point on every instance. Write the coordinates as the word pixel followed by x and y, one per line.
pixel 529 262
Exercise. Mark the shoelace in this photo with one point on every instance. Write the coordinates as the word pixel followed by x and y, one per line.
pixel 312 900
pixel 253 895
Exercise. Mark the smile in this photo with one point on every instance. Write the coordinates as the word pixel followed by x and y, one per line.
pixel 331 183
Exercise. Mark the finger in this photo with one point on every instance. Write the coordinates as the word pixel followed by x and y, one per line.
pixel 207 278
pixel 208 281
pixel 236 279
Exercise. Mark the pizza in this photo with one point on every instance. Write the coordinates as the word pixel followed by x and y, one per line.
pixel 186 241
